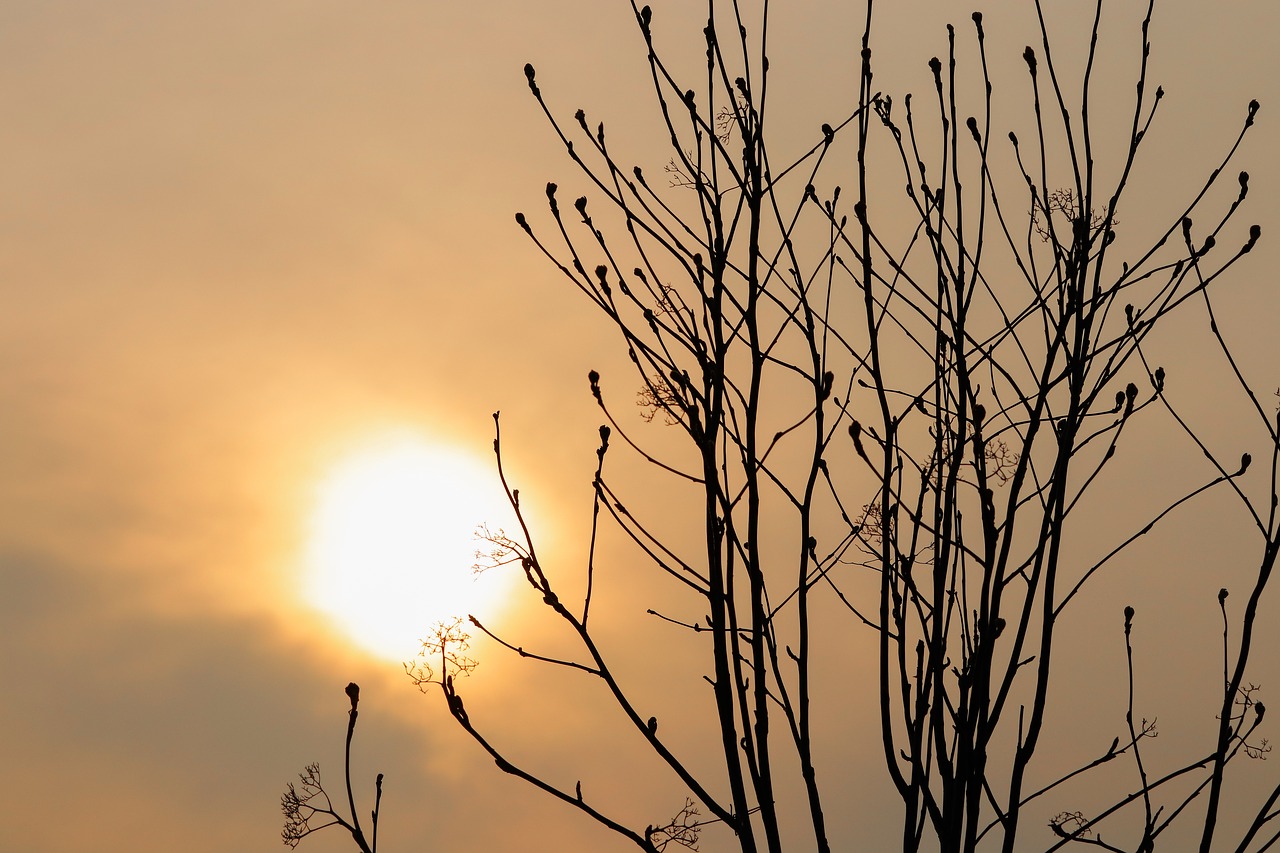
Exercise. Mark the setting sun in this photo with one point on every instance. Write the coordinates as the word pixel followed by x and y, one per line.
pixel 393 543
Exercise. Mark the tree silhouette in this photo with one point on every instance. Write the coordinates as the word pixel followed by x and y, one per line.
pixel 308 800
pixel 892 404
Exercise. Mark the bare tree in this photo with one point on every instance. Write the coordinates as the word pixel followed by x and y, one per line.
pixel 892 400
pixel 308 800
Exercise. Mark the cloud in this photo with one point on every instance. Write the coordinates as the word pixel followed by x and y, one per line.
pixel 137 723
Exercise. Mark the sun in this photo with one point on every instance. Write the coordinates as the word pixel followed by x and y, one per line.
pixel 393 543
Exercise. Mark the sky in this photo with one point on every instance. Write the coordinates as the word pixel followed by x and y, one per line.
pixel 245 243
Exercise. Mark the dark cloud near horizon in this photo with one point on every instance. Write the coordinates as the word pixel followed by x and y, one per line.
pixel 134 722
pixel 207 718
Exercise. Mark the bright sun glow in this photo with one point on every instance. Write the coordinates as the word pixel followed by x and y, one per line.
pixel 393 543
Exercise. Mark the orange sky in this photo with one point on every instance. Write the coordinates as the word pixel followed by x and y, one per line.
pixel 238 237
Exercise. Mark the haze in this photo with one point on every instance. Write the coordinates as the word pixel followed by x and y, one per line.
pixel 236 239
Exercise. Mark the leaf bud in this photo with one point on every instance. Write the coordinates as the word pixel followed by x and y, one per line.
pixel 1255 231
pixel 855 432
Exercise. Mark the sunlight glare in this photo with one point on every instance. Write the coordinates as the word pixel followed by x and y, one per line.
pixel 393 543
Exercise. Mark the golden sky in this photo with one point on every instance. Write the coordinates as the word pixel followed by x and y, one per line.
pixel 242 241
